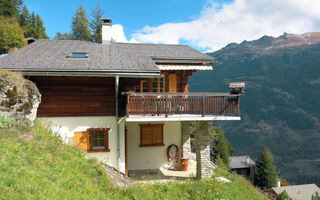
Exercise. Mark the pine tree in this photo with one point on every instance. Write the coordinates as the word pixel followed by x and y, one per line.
pixel 40 32
pixel 221 147
pixel 80 22
pixel 10 8
pixel 32 24
pixel 95 23
pixel 283 196
pixel 316 196
pixel 63 36
pixel 265 173
pixel 24 17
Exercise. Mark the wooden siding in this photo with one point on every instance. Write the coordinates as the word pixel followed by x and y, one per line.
pixel 76 96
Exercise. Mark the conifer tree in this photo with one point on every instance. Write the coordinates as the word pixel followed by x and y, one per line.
pixel 63 36
pixel 32 24
pixel 80 22
pixel 316 196
pixel 221 148
pixel 283 196
pixel 265 173
pixel 24 17
pixel 95 23
pixel 10 8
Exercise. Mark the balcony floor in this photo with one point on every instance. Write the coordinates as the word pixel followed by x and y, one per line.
pixel 141 118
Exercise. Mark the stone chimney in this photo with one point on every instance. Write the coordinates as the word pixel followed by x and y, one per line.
pixel 106 30
pixel 247 160
pixel 278 183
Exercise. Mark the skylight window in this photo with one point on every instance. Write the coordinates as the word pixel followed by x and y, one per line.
pixel 78 55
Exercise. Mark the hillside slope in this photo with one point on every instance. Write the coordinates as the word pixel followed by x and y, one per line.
pixel 36 164
pixel 281 106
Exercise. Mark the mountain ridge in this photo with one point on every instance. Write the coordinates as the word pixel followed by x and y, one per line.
pixel 280 108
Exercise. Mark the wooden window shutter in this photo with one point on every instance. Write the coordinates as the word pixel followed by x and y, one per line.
pixel 146 134
pixel 151 135
pixel 172 83
pixel 81 140
pixel 106 136
pixel 157 134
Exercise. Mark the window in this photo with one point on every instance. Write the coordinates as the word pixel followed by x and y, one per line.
pixel 78 55
pixel 92 140
pixel 158 84
pixel 155 84
pixel 143 87
pixel 151 135
pixel 98 139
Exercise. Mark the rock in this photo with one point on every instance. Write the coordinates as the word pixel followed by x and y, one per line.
pixel 19 98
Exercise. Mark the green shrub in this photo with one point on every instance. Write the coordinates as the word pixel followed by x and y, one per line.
pixel 6 122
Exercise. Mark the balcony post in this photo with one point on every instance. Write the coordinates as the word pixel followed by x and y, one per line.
pixel 203 108
pixel 127 106
pixel 165 106
pixel 238 105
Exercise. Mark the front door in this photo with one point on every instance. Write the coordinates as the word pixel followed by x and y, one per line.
pixel 172 83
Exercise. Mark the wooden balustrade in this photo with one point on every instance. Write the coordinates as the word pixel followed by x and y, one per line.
pixel 166 104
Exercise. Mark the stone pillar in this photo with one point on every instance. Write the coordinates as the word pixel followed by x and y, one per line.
pixel 202 137
pixel 204 141
pixel 186 146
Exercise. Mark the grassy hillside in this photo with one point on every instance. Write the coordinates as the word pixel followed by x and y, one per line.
pixel 35 164
pixel 280 108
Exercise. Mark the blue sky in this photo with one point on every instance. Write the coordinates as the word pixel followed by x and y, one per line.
pixel 206 25
pixel 133 15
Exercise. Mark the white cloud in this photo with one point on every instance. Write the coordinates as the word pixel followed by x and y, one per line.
pixel 240 20
pixel 117 33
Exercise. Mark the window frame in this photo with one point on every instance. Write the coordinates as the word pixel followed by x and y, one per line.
pixel 151 144
pixel 106 140
pixel 72 55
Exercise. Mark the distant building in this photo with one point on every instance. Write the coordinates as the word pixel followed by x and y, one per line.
pixel 297 192
pixel 243 165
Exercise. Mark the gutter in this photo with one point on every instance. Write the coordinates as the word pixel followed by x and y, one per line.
pixel 92 74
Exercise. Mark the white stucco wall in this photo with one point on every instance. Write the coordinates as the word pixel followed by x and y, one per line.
pixel 151 157
pixel 66 126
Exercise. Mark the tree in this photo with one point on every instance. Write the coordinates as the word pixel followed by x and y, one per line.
pixel 315 196
pixel 24 17
pixel 63 36
pixel 32 24
pixel 40 31
pixel 220 147
pixel 95 23
pixel 11 34
pixel 283 196
pixel 265 173
pixel 80 22
pixel 10 8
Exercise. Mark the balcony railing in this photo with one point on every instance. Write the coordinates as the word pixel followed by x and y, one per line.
pixel 167 104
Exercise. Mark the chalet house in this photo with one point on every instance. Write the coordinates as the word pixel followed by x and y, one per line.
pixel 295 192
pixel 123 103
pixel 243 166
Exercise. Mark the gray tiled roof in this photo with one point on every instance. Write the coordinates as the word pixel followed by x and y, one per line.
pixel 238 162
pixel 298 192
pixel 51 55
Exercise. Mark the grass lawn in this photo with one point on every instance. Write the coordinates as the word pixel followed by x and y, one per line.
pixel 36 164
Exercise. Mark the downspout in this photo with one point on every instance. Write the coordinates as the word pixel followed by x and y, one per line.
pixel 117 118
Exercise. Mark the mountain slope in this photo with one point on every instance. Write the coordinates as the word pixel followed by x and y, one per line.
pixel 36 164
pixel 281 107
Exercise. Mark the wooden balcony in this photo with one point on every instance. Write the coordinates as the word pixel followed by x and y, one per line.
pixel 180 104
